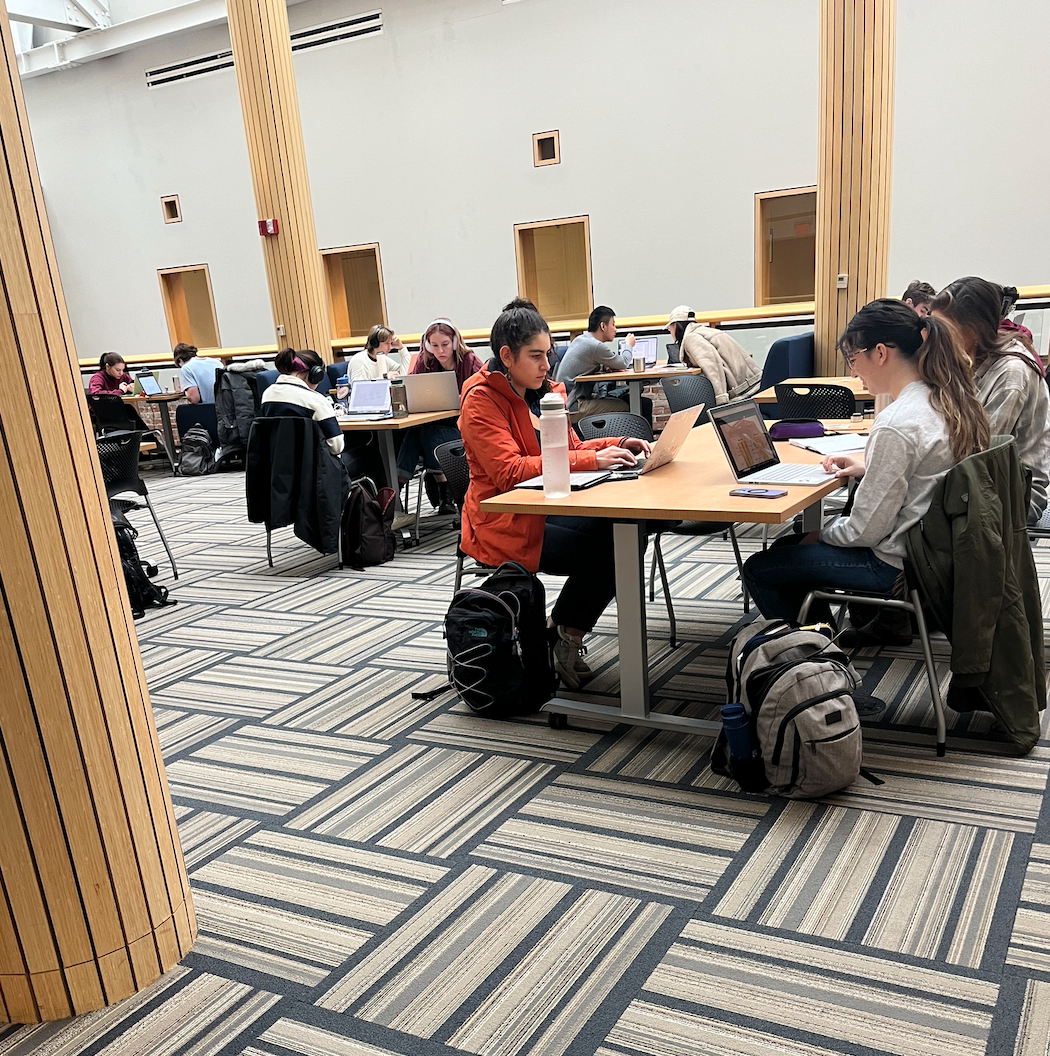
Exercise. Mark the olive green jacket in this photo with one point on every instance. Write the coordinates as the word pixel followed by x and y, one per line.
pixel 974 565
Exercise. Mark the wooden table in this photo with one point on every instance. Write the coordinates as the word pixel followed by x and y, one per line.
pixel 165 400
pixel 635 380
pixel 694 487
pixel 386 427
pixel 854 384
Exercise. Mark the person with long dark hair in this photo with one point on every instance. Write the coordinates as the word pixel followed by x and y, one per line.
pixel 499 413
pixel 934 422
pixel 1007 373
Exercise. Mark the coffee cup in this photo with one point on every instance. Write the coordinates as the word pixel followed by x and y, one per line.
pixel 639 364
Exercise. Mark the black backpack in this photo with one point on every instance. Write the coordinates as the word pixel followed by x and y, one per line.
pixel 499 658
pixel 137 573
pixel 366 535
pixel 198 453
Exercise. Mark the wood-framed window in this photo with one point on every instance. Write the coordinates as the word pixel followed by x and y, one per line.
pixel 554 266
pixel 189 306
pixel 785 245
pixel 546 148
pixel 356 301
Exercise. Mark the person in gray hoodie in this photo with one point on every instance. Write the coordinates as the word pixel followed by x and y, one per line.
pixel 592 353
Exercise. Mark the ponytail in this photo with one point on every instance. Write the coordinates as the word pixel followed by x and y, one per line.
pixel 939 359
pixel 110 359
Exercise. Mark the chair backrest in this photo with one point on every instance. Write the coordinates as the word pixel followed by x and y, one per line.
pixel 452 458
pixel 788 357
pixel 265 378
pixel 118 454
pixel 337 371
pixel 109 412
pixel 689 390
pixel 188 415
pixel 815 401
pixel 615 424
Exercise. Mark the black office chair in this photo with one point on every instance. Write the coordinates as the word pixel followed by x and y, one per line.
pixel 452 458
pixel 188 415
pixel 118 454
pixel 689 390
pixel 110 414
pixel 615 424
pixel 815 401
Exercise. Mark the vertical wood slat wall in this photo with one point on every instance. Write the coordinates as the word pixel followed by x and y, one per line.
pixel 94 899
pixel 262 57
pixel 853 171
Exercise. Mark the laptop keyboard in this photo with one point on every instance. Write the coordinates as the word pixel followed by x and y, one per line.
pixel 789 473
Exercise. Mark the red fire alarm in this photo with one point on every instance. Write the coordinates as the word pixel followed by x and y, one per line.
pixel 267 227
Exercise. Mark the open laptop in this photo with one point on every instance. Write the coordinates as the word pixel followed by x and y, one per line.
pixel 435 391
pixel 742 432
pixel 667 445
pixel 148 383
pixel 369 399
pixel 643 346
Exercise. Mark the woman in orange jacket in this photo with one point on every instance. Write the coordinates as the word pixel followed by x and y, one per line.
pixel 499 413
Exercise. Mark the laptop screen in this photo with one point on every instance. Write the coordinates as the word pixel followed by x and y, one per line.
pixel 644 346
pixel 370 397
pixel 744 437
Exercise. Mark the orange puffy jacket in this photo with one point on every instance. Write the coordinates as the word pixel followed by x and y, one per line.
pixel 499 436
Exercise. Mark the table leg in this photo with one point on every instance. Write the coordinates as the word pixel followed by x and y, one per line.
pixel 634 397
pixel 165 425
pixel 811 517
pixel 386 450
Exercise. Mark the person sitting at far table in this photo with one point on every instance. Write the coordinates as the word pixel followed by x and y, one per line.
pixel 197 375
pixel 111 378
pixel 918 296
pixel 721 359
pixel 589 354
pixel 382 357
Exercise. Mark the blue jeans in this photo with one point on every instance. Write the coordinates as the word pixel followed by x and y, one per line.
pixel 421 440
pixel 780 578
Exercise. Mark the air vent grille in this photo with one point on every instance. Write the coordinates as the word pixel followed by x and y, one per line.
pixel 302 40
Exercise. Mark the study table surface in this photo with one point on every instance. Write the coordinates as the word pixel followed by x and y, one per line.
pixel 694 487
pixel 854 384
pixel 385 428
pixel 635 379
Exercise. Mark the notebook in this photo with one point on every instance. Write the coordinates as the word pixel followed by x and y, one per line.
pixel 742 432
pixel 577 481
pixel 846 444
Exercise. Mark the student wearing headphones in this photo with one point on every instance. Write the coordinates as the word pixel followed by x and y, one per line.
pixel 382 357
pixel 442 348
pixel 294 392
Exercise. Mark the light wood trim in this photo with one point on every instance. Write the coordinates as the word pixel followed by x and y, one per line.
pixel 338 307
pixel 694 487
pixel 761 244
pixel 164 202
pixel 95 901
pixel 539 162
pixel 520 263
pixel 172 310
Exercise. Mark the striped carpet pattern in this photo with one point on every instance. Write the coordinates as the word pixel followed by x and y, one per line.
pixel 378 875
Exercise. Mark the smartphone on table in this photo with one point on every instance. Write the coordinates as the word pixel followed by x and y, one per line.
pixel 759 493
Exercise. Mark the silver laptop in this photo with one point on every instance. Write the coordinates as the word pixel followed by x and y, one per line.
pixel 742 432
pixel 643 346
pixel 436 391
pixel 667 445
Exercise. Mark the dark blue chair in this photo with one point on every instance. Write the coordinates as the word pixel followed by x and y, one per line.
pixel 265 378
pixel 789 357
pixel 190 414
pixel 335 372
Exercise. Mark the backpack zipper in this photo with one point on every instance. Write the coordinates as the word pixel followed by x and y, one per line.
pixel 797 710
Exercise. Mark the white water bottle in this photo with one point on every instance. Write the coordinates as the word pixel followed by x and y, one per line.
pixel 554 446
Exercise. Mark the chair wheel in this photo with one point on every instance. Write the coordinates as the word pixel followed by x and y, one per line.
pixel 557 721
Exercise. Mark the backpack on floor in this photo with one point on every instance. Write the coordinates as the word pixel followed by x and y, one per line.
pixel 499 658
pixel 198 452
pixel 366 533
pixel 142 593
pixel 796 685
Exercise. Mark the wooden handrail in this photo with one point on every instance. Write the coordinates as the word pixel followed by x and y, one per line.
pixel 558 326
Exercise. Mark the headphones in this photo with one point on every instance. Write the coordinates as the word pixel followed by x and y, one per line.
pixel 314 374
pixel 438 322
pixel 373 338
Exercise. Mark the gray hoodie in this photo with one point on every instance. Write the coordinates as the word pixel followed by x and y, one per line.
pixel 585 356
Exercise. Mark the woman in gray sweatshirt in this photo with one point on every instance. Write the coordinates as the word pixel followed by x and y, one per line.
pixel 934 422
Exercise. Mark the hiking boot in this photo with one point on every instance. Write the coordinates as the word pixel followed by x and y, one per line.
pixel 568 663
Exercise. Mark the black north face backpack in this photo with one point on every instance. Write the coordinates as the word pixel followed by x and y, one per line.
pixel 499 658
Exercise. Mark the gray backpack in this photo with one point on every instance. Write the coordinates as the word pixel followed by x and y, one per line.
pixel 797 686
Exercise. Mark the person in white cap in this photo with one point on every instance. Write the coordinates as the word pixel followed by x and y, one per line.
pixel 732 372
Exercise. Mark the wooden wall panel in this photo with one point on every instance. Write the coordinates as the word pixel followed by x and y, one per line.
pixel 94 900
pixel 262 57
pixel 853 173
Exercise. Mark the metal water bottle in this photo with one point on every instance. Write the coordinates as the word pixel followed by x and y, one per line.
pixel 554 446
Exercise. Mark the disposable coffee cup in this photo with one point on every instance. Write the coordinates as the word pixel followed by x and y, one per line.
pixel 639 364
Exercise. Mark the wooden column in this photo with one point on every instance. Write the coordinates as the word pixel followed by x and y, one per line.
pixel 853 179
pixel 94 901
pixel 262 56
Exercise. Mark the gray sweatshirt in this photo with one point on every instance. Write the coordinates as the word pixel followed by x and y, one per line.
pixel 1017 403
pixel 584 356
pixel 906 456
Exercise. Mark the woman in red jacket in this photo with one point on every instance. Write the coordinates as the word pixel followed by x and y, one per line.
pixel 498 416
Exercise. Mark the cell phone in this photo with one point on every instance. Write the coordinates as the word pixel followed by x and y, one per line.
pixel 759 493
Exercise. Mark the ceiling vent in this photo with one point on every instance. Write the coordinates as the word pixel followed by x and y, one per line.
pixel 302 40
pixel 337 32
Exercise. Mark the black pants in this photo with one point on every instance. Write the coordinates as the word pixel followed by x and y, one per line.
pixel 582 549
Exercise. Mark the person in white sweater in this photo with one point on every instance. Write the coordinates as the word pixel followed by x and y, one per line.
pixel 382 357
pixel 1008 374
pixel 934 422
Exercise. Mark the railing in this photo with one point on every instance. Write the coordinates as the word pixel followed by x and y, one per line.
pixel 800 312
